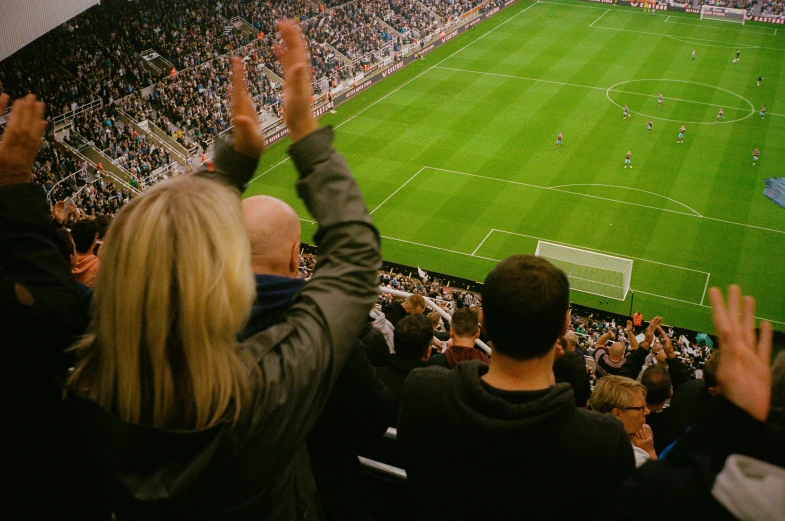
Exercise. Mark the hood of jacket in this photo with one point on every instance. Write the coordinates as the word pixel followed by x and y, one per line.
pixel 476 412
pixel 85 264
pixel 148 471
pixel 273 296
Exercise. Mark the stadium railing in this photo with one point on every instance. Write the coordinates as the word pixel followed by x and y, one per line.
pixel 435 307
pixel 81 171
pixel 64 119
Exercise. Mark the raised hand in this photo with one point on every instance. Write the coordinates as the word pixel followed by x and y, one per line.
pixel 649 335
pixel 248 137
pixel 59 212
pixel 667 344
pixel 21 140
pixel 292 52
pixel 744 373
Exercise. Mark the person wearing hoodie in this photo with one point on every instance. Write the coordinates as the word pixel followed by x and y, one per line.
pixel 505 426
pixel 85 235
pixel 181 421
pixel 464 331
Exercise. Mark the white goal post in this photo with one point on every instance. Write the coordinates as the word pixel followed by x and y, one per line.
pixel 723 14
pixel 588 271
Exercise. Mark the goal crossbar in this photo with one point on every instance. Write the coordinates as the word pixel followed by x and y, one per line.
pixel 723 14
pixel 588 271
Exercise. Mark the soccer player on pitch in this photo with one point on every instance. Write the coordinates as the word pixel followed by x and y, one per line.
pixel 648 128
pixel 659 99
pixel 693 54
pixel 763 112
pixel 626 112
pixel 558 140
pixel 755 155
pixel 760 79
pixel 720 116
pixel 627 162
pixel 737 56
pixel 681 134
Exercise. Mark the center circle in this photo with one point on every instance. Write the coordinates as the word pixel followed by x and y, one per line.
pixel 612 87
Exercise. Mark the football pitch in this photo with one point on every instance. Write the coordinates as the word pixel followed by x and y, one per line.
pixel 455 153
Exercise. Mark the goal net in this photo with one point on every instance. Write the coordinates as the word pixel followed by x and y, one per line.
pixel 723 14
pixel 588 271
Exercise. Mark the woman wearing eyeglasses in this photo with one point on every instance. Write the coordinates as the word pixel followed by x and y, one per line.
pixel 625 398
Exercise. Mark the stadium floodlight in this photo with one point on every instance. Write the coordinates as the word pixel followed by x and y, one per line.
pixel 588 271
pixel 723 14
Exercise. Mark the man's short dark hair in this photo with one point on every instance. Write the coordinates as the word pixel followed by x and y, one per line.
pixel 710 369
pixel 102 223
pixel 657 381
pixel 525 301
pixel 65 243
pixel 464 323
pixel 84 233
pixel 413 336
pixel 571 368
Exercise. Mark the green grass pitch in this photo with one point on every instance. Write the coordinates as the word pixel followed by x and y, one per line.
pixel 455 153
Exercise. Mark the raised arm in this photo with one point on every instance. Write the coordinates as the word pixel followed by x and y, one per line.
pixel 36 286
pixel 301 356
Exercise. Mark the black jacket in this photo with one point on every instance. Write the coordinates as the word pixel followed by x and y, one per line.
pixel 41 314
pixel 258 469
pixel 393 375
pixel 504 455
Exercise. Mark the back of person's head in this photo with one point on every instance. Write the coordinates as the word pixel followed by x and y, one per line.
pixel 84 233
pixel 777 412
pixel 434 317
pixel 525 302
pixel 176 287
pixel 66 245
pixel 613 392
pixel 416 304
pixel 710 371
pixel 102 223
pixel 572 340
pixel 464 323
pixel 657 381
pixel 273 228
pixel 413 336
pixel 571 368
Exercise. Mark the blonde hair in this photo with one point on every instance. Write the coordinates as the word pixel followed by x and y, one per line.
pixel 615 391
pixel 174 289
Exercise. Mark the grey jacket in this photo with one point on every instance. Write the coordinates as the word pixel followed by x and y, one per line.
pixel 258 469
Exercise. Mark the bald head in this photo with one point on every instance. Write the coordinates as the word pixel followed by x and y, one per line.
pixel 616 351
pixel 274 231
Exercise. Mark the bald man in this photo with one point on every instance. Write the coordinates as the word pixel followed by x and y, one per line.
pixel 274 231
pixel 609 358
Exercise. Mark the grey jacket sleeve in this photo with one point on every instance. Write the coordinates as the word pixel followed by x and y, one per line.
pixel 228 166
pixel 301 357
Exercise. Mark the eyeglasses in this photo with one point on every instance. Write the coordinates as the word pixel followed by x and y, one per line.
pixel 640 408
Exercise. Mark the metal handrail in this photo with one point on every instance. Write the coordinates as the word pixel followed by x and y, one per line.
pixel 69 176
pixel 431 304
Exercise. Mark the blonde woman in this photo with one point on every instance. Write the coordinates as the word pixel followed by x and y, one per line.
pixel 181 422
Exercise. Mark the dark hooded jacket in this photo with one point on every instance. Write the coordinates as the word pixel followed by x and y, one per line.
pixel 457 354
pixel 510 453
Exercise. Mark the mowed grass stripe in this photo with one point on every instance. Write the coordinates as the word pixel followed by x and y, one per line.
pixel 506 127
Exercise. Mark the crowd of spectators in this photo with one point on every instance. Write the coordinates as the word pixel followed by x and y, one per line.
pixel 773 8
pixel 206 379
pixel 195 104
pixel 122 143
